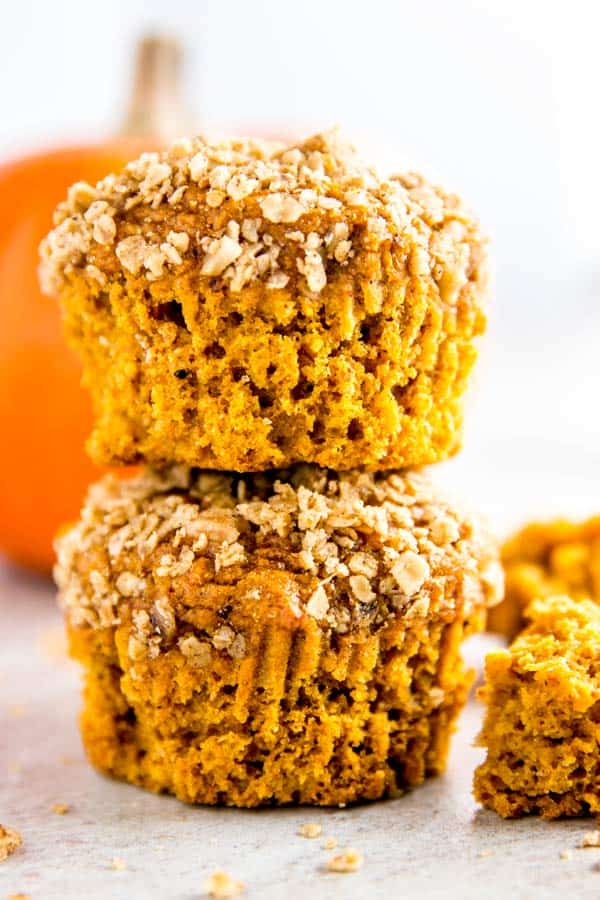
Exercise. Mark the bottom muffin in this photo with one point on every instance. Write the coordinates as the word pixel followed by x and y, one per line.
pixel 285 637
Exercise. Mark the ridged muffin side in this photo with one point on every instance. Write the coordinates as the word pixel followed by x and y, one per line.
pixel 285 637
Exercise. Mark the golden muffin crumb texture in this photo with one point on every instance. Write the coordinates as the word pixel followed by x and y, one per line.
pixel 545 558
pixel 541 729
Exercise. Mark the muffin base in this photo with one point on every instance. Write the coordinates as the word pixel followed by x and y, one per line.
pixel 302 718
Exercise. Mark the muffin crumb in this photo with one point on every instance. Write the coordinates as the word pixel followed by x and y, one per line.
pixel 10 841
pixel 590 839
pixel 61 809
pixel 221 885
pixel 310 830
pixel 349 860
pixel 542 695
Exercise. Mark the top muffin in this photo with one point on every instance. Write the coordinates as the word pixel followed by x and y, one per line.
pixel 244 306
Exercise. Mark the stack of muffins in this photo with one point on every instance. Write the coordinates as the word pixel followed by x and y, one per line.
pixel 272 610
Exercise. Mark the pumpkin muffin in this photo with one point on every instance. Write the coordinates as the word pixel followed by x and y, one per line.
pixel 243 306
pixel 542 729
pixel 544 558
pixel 283 637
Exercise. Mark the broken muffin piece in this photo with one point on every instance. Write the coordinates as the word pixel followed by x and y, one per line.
pixel 542 724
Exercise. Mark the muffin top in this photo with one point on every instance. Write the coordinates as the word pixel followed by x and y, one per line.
pixel 242 211
pixel 354 549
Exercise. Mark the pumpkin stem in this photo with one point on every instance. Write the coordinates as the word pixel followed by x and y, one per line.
pixel 155 105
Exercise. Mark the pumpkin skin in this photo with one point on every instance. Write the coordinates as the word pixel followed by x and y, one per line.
pixel 45 416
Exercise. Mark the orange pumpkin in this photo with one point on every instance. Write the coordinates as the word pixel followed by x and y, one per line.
pixel 45 417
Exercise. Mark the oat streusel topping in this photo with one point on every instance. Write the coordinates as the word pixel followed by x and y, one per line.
pixel 246 210
pixel 362 548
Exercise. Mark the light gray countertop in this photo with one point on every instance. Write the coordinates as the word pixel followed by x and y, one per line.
pixel 432 843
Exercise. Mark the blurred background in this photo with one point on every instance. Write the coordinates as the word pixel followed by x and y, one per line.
pixel 497 100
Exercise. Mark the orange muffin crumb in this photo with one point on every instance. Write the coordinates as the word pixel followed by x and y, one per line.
pixel 544 558
pixel 244 306
pixel 541 729
pixel 10 841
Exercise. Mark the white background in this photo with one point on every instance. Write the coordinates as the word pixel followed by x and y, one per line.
pixel 497 100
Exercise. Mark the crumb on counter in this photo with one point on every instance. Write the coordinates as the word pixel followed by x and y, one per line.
pixel 591 839
pixel 310 830
pixel 10 840
pixel 348 860
pixel 61 809
pixel 221 885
